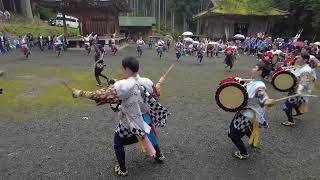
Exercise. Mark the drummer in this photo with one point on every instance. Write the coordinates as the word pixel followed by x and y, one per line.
pixel 304 74
pixel 253 113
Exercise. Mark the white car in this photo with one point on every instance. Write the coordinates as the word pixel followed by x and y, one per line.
pixel 72 22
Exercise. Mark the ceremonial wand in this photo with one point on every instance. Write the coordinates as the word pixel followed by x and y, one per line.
pixel 296 95
pixel 67 86
pixel 165 74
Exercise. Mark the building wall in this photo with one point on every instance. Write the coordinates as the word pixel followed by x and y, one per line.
pixel 214 26
pixel 107 24
pixel 136 32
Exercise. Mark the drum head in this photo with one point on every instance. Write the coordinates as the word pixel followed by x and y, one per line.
pixel 284 81
pixel 231 97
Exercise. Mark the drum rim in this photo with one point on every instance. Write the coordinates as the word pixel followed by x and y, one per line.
pixel 244 91
pixel 285 72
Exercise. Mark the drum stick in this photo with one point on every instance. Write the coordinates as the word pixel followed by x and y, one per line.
pixel 67 86
pixel 246 79
pixel 285 98
pixel 165 74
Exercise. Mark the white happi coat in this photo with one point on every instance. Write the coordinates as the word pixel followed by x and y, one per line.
pixel 304 74
pixel 133 106
pixel 253 102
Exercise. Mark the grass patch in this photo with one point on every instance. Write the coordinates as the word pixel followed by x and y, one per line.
pixel 16 104
pixel 20 26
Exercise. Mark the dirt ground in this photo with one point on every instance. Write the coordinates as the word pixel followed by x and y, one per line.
pixel 61 144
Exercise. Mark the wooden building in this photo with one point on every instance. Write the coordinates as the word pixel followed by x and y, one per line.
pixel 224 19
pixel 136 27
pixel 101 16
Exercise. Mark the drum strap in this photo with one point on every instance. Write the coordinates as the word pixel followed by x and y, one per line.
pixel 254 138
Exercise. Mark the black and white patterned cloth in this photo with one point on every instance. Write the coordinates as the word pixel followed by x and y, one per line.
pixel 296 101
pixel 241 122
pixel 158 113
pixel 125 132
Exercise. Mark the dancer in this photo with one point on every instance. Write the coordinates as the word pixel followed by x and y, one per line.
pixel 210 48
pixel 179 48
pixel 304 74
pixel 99 63
pixel 114 48
pixel 132 93
pixel 2 44
pixel 200 49
pixel 58 44
pixel 86 44
pixel 168 43
pixel 140 45
pixel 24 47
pixel 160 46
pixel 41 43
pixel 229 57
pixel 247 120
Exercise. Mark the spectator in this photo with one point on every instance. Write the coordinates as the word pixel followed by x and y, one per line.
pixel 7 15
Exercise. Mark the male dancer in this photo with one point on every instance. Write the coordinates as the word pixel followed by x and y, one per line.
pixel 160 46
pixel 136 103
pixel 140 45
pixel 253 114
pixel 304 74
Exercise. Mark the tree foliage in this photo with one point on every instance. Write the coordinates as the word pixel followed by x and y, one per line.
pixel 303 14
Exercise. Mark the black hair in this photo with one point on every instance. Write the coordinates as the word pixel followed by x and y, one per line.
pixel 305 56
pixel 131 63
pixel 264 68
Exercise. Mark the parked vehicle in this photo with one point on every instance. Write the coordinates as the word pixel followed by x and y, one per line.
pixel 52 22
pixel 72 22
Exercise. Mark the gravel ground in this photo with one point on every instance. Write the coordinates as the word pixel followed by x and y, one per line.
pixel 64 146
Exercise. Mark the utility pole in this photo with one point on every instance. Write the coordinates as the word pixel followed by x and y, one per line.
pixel 65 30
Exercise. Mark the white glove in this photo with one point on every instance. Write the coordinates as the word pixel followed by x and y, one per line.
pixel 76 93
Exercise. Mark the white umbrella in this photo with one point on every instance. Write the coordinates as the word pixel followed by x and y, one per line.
pixel 212 43
pixel 239 36
pixel 188 40
pixel 187 33
pixel 317 43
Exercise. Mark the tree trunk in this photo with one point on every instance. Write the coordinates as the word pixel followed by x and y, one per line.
pixel 1 5
pixel 172 22
pixel 137 13
pixel 165 15
pixel 154 8
pixel 65 29
pixel 159 14
pixel 14 7
pixel 26 8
